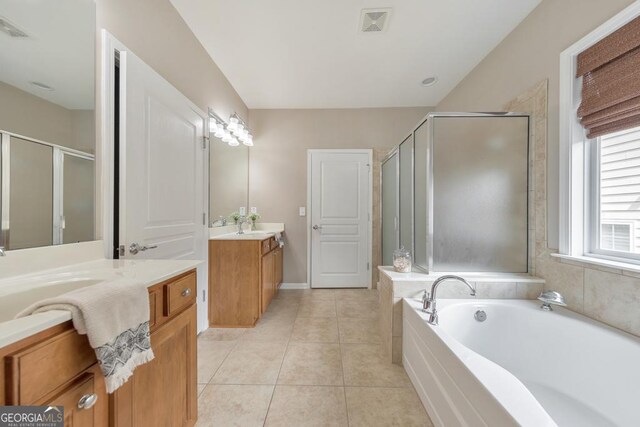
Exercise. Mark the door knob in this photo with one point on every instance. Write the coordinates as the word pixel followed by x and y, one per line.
pixel 317 227
pixel 134 248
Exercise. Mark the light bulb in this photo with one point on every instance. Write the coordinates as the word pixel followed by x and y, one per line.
pixel 213 126
pixel 234 119
pixel 248 141
pixel 233 142
pixel 232 127
pixel 219 133
pixel 227 136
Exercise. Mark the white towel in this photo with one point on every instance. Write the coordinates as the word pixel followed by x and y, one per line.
pixel 115 317
pixel 280 240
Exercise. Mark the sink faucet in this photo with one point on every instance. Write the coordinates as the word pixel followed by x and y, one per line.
pixel 242 220
pixel 2 252
pixel 222 220
pixel 429 298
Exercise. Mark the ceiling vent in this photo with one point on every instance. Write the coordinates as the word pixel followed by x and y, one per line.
pixel 11 30
pixel 374 20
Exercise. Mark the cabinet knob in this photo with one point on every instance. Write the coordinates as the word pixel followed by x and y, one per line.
pixel 87 401
pixel 186 292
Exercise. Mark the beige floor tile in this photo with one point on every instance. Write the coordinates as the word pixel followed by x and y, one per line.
pixel 364 365
pixel 234 405
pixel 201 388
pixel 356 294
pixel 319 294
pixel 251 362
pixel 317 308
pixel 353 308
pixel 311 364
pixel 315 329
pixel 270 330
pixel 222 334
pixel 295 294
pixel 211 354
pixel 307 406
pixel 369 406
pixel 356 330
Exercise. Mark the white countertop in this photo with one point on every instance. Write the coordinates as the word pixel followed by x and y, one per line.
pixel 417 276
pixel 18 292
pixel 262 231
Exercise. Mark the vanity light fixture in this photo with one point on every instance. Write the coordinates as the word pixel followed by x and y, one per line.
pixel 233 132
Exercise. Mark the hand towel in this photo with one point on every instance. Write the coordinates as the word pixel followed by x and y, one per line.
pixel 115 317
pixel 280 240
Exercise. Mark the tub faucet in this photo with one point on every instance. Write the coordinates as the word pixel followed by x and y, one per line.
pixel 429 298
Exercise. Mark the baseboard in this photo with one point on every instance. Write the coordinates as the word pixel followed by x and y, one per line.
pixel 294 286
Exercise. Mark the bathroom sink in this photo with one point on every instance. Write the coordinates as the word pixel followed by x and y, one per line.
pixel 12 303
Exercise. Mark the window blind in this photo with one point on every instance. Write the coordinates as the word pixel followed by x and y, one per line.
pixel 610 71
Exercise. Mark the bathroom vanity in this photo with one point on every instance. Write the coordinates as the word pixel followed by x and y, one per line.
pixel 46 362
pixel 245 272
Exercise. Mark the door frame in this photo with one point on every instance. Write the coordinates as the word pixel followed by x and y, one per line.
pixel 309 212
pixel 105 173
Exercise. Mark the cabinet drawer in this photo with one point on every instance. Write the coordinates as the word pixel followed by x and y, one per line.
pixel 70 398
pixel 39 369
pixel 180 294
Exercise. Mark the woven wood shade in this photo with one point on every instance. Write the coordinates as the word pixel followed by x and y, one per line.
pixel 610 71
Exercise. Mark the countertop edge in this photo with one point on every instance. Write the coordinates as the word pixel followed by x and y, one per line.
pixel 16 330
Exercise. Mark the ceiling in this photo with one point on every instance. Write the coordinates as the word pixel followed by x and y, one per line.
pixel 311 54
pixel 59 51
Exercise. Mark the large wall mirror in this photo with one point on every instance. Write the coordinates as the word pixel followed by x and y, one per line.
pixel 228 181
pixel 47 122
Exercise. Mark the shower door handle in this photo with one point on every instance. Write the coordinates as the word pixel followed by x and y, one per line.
pixel 317 227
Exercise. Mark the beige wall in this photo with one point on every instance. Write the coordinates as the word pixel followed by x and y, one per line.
pixel 158 35
pixel 531 53
pixel 278 161
pixel 34 117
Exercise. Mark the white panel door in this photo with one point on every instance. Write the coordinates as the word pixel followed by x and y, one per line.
pixel 162 192
pixel 340 218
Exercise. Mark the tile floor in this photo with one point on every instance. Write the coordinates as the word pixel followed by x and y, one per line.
pixel 312 360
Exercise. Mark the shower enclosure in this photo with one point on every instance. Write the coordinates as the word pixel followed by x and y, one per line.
pixel 469 193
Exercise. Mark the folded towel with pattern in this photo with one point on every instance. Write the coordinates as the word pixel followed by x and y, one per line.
pixel 115 317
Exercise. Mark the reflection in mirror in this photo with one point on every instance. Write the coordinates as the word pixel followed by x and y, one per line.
pixel 47 120
pixel 228 181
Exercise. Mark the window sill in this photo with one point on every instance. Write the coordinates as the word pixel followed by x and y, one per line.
pixel 585 261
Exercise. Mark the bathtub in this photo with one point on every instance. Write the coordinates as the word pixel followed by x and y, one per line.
pixel 521 366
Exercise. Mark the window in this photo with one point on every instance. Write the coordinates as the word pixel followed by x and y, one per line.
pixel 600 144
pixel 617 191
pixel 615 237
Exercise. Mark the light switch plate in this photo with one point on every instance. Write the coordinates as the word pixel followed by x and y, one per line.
pixel 243 210
pixel 303 211
pixel 254 210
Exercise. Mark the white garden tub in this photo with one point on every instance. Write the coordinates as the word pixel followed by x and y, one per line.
pixel 521 366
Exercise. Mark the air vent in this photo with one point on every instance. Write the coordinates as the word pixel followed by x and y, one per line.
pixel 11 30
pixel 374 20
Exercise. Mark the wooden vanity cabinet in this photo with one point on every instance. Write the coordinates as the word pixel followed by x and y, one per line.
pixel 244 276
pixel 58 367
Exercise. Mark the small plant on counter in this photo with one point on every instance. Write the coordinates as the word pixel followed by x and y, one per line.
pixel 235 217
pixel 254 217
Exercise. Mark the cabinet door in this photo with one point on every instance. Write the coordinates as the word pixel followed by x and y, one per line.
pixel 267 279
pixel 89 389
pixel 163 391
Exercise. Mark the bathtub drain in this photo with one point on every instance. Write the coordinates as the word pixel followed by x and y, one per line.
pixel 480 316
